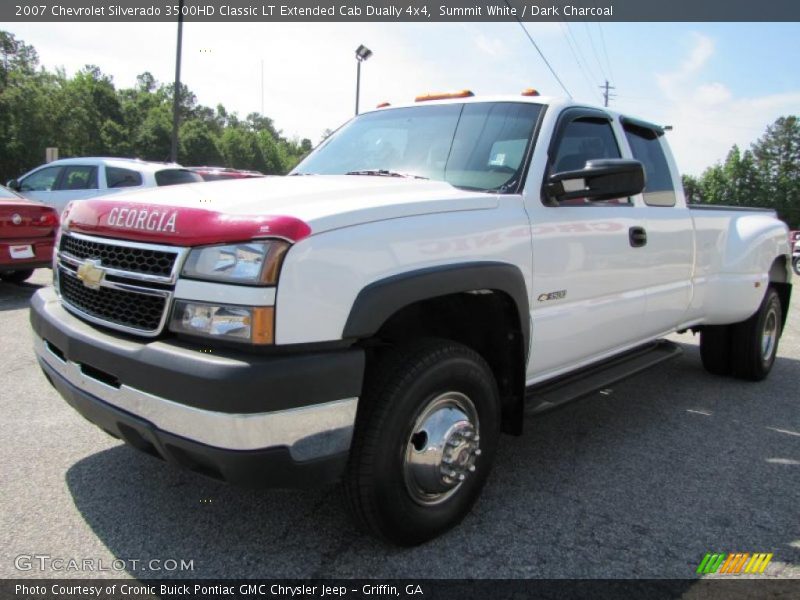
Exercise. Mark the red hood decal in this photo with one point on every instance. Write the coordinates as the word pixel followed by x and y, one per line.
pixel 176 225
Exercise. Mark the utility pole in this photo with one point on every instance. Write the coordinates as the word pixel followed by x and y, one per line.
pixel 176 94
pixel 606 92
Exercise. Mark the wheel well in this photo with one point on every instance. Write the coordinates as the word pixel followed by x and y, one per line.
pixel 485 320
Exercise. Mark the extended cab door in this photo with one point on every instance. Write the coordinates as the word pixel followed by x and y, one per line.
pixel 670 230
pixel 589 275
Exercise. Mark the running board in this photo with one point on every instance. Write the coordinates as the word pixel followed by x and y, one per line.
pixel 551 394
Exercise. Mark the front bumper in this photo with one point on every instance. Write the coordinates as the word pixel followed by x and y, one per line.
pixel 284 420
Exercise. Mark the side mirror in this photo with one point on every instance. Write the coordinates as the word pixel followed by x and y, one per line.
pixel 604 179
pixel 13 184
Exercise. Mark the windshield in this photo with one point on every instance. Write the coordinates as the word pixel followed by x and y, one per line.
pixel 476 146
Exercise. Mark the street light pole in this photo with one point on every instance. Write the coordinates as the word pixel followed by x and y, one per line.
pixel 176 94
pixel 362 54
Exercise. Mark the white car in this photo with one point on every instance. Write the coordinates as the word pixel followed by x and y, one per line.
pixel 61 181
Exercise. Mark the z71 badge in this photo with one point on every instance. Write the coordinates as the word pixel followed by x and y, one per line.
pixel 553 296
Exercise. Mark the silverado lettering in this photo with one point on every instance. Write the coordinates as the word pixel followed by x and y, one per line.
pixel 162 221
pixel 384 321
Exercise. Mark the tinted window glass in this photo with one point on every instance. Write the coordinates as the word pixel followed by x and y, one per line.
pixel 78 177
pixel 478 146
pixel 176 176
pixel 118 178
pixel 581 141
pixel 646 148
pixel 584 140
pixel 42 180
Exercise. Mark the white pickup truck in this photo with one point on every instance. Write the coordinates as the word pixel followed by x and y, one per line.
pixel 424 278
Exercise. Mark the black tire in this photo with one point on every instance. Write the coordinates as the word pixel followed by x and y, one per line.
pixel 715 349
pixel 400 395
pixel 16 276
pixel 796 265
pixel 754 342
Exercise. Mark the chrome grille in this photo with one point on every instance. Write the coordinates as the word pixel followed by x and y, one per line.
pixel 113 306
pixel 134 293
pixel 121 257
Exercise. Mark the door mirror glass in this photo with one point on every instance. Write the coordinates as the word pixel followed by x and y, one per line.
pixel 598 180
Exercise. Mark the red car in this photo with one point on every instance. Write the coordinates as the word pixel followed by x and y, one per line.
pixel 27 235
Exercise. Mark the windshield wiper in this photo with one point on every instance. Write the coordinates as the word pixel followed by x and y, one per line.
pixel 385 173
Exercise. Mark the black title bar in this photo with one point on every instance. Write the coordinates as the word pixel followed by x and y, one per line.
pixel 398 10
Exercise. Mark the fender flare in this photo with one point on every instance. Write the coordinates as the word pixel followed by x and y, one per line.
pixel 378 301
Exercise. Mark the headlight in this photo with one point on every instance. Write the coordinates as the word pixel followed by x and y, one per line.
pixel 254 263
pixel 253 324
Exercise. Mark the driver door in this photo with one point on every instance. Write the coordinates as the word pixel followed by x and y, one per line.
pixel 589 280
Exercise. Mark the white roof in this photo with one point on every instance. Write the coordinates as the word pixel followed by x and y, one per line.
pixel 140 165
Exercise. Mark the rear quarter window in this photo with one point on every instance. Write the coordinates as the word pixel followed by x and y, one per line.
pixel 117 177
pixel 646 148
pixel 176 176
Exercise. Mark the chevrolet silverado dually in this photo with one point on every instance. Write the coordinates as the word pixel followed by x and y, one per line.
pixel 427 276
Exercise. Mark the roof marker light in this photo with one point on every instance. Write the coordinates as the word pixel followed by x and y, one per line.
pixel 530 92
pixel 383 105
pixel 444 96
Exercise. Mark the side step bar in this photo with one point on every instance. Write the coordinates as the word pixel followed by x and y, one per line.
pixel 551 394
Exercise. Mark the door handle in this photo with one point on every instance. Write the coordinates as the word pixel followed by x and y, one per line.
pixel 637 236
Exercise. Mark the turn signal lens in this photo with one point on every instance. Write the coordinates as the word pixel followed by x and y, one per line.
pixel 253 324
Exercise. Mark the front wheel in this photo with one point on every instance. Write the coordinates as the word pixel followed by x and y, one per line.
pixel 796 265
pixel 425 439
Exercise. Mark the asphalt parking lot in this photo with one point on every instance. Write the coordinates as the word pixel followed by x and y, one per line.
pixel 639 482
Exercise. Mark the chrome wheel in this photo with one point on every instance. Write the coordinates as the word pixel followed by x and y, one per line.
pixel 442 449
pixel 769 336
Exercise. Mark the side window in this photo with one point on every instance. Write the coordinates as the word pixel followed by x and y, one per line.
pixel 646 148
pixel 78 177
pixel 119 178
pixel 176 177
pixel 582 140
pixel 42 180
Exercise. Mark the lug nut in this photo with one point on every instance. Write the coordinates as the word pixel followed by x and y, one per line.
pixel 472 468
pixel 461 477
pixel 477 452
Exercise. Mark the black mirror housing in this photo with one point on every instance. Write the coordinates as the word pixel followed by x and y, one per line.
pixel 603 179
pixel 13 184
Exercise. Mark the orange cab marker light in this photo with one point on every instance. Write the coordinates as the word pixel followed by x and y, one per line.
pixel 530 92
pixel 383 105
pixel 444 96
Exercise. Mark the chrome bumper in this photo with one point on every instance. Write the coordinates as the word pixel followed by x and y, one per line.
pixel 309 432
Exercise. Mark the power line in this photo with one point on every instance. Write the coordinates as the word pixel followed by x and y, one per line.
pixel 588 79
pixel 535 45
pixel 605 50
pixel 594 50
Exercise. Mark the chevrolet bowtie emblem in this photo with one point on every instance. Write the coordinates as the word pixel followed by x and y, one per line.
pixel 91 274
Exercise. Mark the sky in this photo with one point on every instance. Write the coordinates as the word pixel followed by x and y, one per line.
pixel 716 84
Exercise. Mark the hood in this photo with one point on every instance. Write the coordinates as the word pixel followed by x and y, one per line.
pixel 290 207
